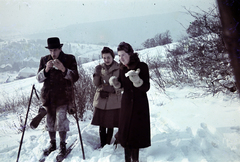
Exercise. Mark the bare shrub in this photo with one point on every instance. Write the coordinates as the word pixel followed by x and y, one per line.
pixel 203 55
pixel 84 92
pixel 18 105
pixel 12 104
pixel 178 68
pixel 156 75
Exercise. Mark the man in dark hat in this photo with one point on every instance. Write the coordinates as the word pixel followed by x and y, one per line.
pixel 58 72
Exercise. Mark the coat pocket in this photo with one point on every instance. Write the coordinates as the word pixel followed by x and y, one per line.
pixel 104 94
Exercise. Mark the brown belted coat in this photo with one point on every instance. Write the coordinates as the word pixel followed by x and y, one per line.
pixel 113 101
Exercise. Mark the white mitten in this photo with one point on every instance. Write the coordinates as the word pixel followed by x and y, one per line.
pixel 114 82
pixel 133 76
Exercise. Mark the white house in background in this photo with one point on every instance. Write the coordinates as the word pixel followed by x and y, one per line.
pixel 26 72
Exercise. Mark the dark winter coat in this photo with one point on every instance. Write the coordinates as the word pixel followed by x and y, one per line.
pixel 57 87
pixel 134 121
pixel 113 101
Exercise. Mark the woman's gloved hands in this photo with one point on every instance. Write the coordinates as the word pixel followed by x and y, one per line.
pixel 98 69
pixel 113 81
pixel 133 76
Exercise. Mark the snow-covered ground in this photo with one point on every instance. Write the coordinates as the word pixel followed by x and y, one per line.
pixel 186 126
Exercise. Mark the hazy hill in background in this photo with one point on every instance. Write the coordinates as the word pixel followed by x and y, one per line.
pixel 76 39
pixel 134 30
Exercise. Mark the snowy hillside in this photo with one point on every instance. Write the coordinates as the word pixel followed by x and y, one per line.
pixel 186 126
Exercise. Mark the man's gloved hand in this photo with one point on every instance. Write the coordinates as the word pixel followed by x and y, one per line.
pixel 49 65
pixel 98 69
pixel 58 65
pixel 133 76
pixel 114 82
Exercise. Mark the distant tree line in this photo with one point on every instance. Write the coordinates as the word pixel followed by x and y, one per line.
pixel 158 40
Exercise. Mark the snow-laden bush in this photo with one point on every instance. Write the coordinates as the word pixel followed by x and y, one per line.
pixel 203 55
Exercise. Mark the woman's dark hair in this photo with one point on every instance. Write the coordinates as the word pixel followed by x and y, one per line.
pixel 108 50
pixel 125 47
pixel 128 49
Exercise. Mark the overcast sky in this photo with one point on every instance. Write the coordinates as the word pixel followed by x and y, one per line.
pixel 28 16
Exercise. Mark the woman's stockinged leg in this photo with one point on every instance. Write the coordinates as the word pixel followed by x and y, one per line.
pixel 109 135
pixel 127 152
pixel 131 155
pixel 103 136
pixel 135 155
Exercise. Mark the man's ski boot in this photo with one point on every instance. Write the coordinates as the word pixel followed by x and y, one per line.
pixel 36 120
pixel 62 152
pixel 51 148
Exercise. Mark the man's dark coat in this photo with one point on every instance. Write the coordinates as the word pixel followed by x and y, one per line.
pixel 57 90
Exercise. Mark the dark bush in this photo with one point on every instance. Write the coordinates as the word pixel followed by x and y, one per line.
pixel 158 40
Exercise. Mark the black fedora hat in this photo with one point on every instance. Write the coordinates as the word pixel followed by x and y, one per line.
pixel 53 42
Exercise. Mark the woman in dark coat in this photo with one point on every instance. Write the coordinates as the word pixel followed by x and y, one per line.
pixel 134 120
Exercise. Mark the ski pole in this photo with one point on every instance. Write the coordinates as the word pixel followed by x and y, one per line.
pixel 76 117
pixel 29 103
pixel 80 136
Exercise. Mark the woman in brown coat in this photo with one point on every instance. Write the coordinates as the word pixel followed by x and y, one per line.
pixel 107 99
pixel 134 119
